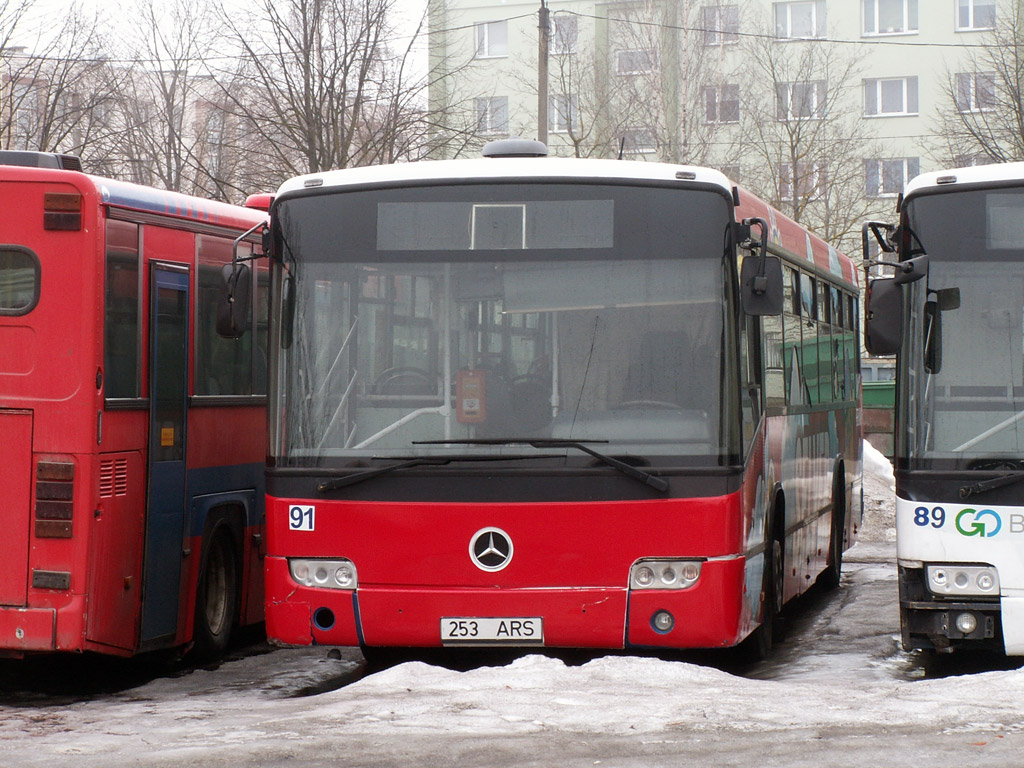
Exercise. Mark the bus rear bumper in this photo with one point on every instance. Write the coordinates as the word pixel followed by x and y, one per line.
pixel 707 615
pixel 28 629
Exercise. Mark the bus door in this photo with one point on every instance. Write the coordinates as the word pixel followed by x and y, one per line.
pixel 168 393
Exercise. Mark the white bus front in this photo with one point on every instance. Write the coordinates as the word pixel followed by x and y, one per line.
pixel 960 413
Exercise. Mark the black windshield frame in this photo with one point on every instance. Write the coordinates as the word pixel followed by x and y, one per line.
pixel 669 210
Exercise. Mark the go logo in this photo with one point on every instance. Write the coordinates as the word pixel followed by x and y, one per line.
pixel 971 522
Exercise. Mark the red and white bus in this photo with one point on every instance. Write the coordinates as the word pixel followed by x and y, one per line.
pixel 523 400
pixel 133 435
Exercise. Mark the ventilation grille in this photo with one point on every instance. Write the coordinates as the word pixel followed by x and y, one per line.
pixel 113 478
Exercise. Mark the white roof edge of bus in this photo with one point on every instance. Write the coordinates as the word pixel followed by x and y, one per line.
pixel 973 174
pixel 501 167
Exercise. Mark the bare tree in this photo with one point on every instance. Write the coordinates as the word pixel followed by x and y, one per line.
pixel 805 139
pixel 57 87
pixel 320 86
pixel 982 117
pixel 158 97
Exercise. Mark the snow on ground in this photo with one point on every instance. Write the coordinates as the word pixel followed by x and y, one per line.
pixel 613 710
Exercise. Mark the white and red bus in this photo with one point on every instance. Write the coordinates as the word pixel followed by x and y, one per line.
pixel 522 400
pixel 133 435
pixel 954 312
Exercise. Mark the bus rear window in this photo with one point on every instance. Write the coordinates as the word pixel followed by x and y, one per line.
pixel 19 280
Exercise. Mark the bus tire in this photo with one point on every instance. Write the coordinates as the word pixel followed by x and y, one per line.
pixel 216 595
pixel 832 575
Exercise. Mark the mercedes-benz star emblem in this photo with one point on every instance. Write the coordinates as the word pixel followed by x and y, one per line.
pixel 490 549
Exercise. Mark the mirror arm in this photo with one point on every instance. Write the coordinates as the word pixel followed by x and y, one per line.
pixel 235 258
pixel 759 285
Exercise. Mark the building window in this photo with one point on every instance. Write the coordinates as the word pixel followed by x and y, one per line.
pixel 722 103
pixel 968 161
pixel 564 32
pixel 635 62
pixel 639 141
pixel 975 91
pixel 802 181
pixel 888 177
pixel 492 115
pixel 800 20
pixel 890 96
pixel 721 24
pixel 975 14
pixel 888 17
pixel 491 39
pixel 562 113
pixel 800 100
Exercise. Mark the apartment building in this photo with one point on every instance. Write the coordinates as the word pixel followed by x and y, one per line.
pixel 694 80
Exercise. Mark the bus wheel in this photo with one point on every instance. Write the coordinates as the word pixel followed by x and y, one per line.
pixel 216 595
pixel 833 573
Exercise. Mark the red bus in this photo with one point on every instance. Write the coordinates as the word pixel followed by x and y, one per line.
pixel 522 400
pixel 133 435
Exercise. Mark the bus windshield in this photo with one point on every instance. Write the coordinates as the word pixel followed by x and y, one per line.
pixel 486 312
pixel 963 392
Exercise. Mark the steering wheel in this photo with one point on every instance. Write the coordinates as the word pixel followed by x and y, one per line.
pixel 404 378
pixel 657 404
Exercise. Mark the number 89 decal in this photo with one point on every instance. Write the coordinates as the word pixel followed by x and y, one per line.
pixel 935 517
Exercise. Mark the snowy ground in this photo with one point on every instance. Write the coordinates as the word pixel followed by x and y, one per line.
pixel 838 692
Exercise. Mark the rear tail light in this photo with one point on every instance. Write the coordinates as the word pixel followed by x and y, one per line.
pixel 55 491
pixel 62 211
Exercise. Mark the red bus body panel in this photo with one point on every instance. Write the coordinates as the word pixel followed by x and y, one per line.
pixel 74 583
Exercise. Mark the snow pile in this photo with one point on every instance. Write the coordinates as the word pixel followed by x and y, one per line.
pixel 879 497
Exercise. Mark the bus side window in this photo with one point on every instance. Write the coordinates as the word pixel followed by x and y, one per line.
pixel 772 360
pixel 750 375
pixel 826 353
pixel 791 335
pixel 121 338
pixel 808 356
pixel 222 366
pixel 262 301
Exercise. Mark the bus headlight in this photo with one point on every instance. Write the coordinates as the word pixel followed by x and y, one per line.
pixel 327 574
pixel 950 580
pixel 664 574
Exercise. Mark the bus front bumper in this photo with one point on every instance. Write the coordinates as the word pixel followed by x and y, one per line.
pixel 708 615
pixel 968 623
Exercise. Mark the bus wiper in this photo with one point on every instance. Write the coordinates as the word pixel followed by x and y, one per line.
pixel 988 485
pixel 418 461
pixel 658 483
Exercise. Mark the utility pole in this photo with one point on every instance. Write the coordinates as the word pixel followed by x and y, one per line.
pixel 542 73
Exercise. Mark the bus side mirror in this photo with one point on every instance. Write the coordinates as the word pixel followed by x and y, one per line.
pixel 233 301
pixel 761 285
pixel 883 322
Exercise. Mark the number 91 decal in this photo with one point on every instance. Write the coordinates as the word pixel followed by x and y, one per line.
pixel 301 518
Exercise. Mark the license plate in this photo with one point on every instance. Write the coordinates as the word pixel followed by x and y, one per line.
pixel 504 631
